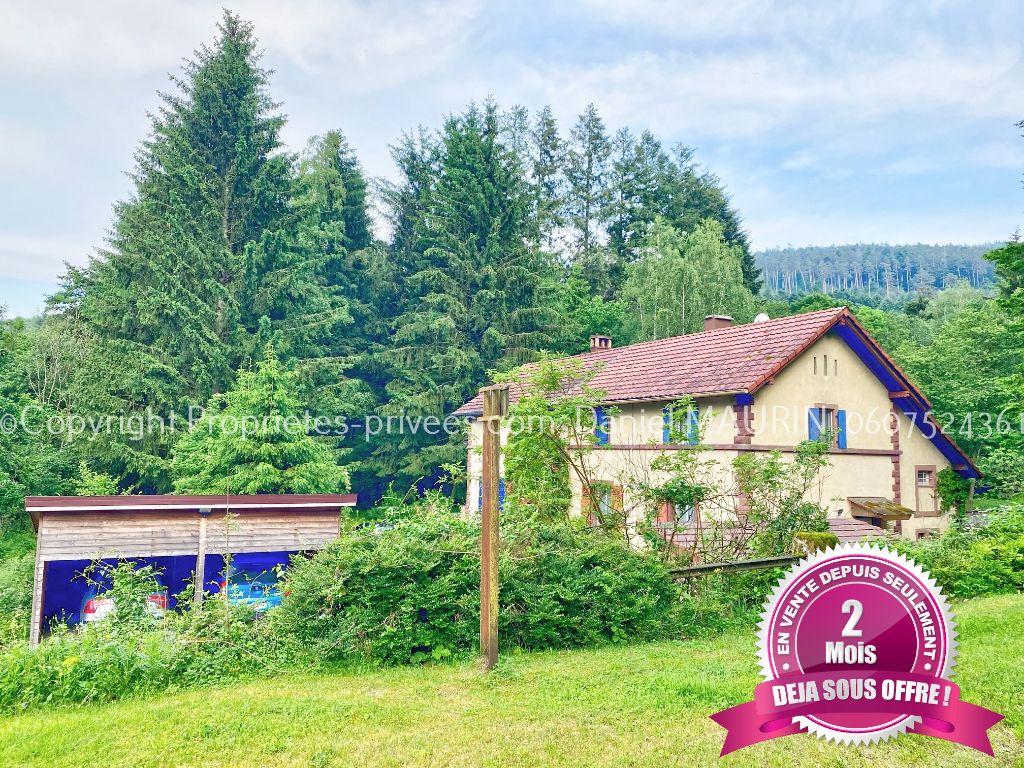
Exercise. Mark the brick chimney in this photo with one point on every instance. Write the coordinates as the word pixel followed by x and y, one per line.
pixel 597 341
pixel 714 322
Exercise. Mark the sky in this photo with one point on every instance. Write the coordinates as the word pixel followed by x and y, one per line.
pixel 827 122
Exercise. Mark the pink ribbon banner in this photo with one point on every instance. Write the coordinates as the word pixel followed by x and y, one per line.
pixel 936 701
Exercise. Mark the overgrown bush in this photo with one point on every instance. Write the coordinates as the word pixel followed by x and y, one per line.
pixel 721 601
pixel 16 574
pixel 805 542
pixel 970 561
pixel 409 591
pixel 131 653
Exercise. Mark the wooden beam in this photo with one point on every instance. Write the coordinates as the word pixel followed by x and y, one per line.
pixel 35 630
pixel 200 579
pixel 736 565
pixel 495 408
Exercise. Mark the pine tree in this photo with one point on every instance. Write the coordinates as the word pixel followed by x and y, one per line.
pixel 547 181
pixel 334 230
pixel 589 196
pixel 252 440
pixel 200 255
pixel 347 381
pixel 639 170
pixel 470 285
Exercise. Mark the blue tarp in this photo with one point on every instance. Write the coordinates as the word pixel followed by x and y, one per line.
pixel 65 587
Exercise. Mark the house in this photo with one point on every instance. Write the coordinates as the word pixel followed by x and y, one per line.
pixel 766 386
pixel 187 538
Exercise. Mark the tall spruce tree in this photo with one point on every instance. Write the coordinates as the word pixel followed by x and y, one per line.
pixel 639 169
pixel 200 255
pixel 547 181
pixel 588 197
pixel 348 380
pixel 471 287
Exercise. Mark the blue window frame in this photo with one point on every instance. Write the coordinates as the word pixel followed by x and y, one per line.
pixel 820 420
pixel 692 425
pixel 602 425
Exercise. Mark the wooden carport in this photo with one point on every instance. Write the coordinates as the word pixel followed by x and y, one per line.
pixel 72 528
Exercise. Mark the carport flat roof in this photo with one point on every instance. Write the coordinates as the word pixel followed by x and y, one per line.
pixel 308 502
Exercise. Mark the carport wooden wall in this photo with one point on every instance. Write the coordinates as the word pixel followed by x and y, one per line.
pixel 69 536
pixel 92 536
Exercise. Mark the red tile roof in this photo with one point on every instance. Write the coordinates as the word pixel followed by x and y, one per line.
pixel 734 359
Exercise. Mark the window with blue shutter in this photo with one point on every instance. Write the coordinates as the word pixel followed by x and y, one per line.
pixel 814 424
pixel 692 426
pixel 669 424
pixel 830 420
pixel 602 424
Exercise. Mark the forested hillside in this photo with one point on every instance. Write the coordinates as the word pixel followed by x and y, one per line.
pixel 873 270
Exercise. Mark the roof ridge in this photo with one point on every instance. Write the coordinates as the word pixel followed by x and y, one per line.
pixel 720 331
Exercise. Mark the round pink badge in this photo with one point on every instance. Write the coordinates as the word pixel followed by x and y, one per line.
pixel 855 610
pixel 856 645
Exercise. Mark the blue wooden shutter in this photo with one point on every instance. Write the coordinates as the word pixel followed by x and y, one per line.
pixel 692 424
pixel 814 423
pixel 841 427
pixel 666 425
pixel 480 495
pixel 601 426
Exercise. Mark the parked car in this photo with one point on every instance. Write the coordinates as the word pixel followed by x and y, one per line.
pixel 97 602
pixel 258 589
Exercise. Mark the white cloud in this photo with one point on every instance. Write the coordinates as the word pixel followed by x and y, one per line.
pixel 32 257
pixel 21 149
pixel 360 45
pixel 1003 154
pixel 729 94
pixel 782 227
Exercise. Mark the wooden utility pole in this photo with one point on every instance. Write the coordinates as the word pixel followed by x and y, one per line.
pixel 495 408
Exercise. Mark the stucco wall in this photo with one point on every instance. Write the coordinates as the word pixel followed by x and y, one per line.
pixel 918 450
pixel 780 408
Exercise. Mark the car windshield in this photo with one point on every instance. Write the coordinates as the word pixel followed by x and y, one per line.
pixel 254 579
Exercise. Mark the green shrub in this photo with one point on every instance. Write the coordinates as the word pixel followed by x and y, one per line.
pixel 16 575
pixel 813 541
pixel 568 585
pixel 410 592
pixel 130 653
pixel 721 601
pixel 971 561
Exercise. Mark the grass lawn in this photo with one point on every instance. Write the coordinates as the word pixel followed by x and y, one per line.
pixel 644 705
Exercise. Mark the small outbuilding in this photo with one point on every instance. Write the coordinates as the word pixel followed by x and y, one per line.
pixel 186 537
